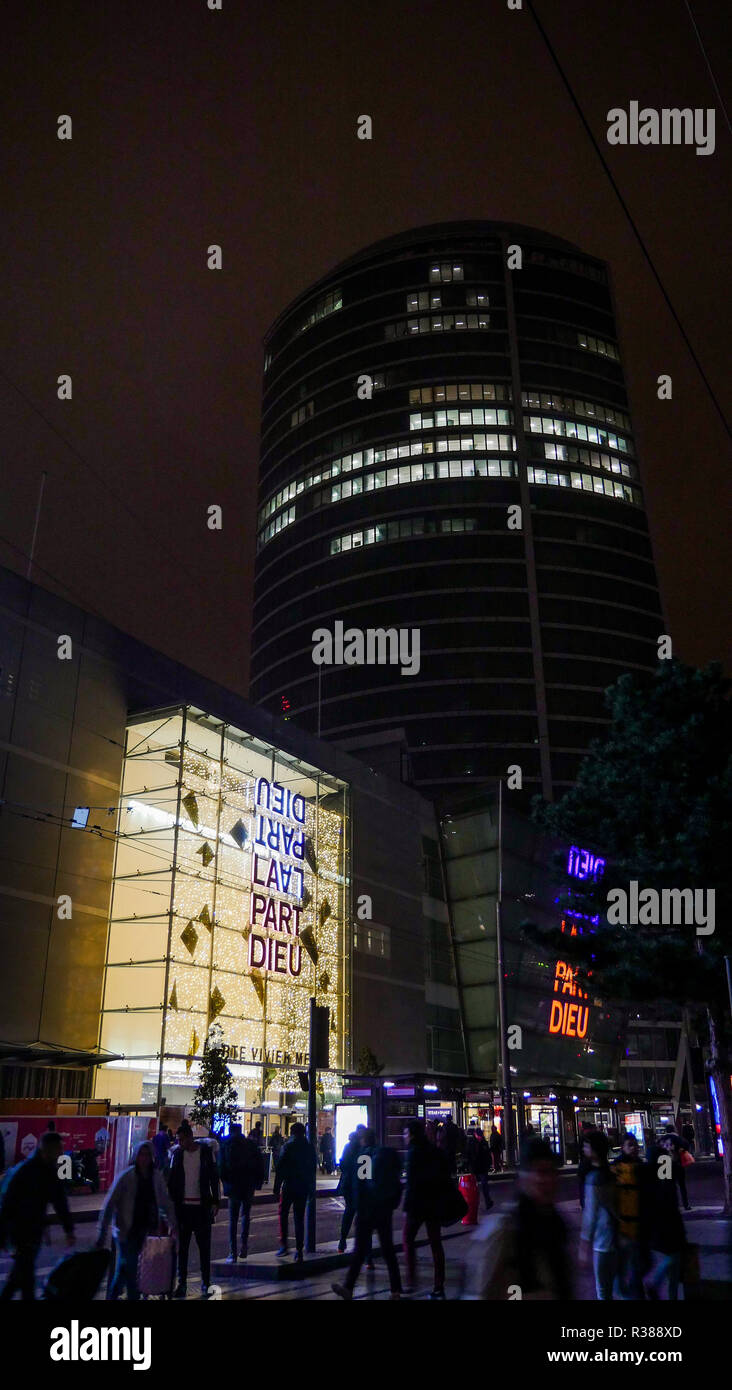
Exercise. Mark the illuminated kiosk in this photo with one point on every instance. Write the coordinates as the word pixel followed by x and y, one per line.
pixel 229 904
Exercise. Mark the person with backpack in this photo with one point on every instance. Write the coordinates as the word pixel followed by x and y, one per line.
pixel 242 1171
pixel 600 1218
pixel 428 1175
pixel 378 1178
pixel 296 1171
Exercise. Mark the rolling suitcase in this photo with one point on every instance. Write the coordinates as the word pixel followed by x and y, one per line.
pixel 156 1266
pixel 77 1277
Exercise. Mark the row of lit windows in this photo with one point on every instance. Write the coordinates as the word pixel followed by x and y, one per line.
pixel 566 263
pixel 476 415
pixel 598 345
pixel 438 323
pixel 432 299
pixel 327 305
pixel 430 470
pixel 569 453
pixel 444 272
pixel 467 391
pixel 303 413
pixel 284 519
pixel 420 473
pixel 572 429
pixel 364 457
pixel 401 530
pixel 571 406
pixel 587 482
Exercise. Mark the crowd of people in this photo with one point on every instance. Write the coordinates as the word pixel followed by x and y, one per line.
pixel 632 1231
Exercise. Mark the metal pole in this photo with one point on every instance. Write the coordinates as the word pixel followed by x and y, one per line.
pixel 502 1021
pixel 44 475
pixel 312 1127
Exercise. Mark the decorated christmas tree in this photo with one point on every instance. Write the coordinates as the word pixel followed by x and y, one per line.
pixel 216 1095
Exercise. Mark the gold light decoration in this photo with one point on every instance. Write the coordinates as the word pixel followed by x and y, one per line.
pixel 189 937
pixel 191 805
pixel 192 1050
pixel 258 982
pixel 308 940
pixel 217 1002
pixel 206 854
pixel 324 982
pixel 205 916
pixel 173 1001
pixel 324 913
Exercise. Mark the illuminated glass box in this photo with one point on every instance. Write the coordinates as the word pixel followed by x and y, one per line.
pixel 229 904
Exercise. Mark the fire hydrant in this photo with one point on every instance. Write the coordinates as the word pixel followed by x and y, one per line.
pixel 469 1188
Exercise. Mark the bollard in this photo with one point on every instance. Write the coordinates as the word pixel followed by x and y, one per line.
pixel 469 1188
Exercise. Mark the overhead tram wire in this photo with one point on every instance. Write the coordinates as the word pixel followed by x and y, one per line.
pixel 649 259
pixel 117 498
pixel 703 51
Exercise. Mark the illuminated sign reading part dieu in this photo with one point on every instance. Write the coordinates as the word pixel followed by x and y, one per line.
pixel 278 851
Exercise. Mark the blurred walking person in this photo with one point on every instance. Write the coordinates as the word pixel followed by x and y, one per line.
pixel 427 1176
pixel 496 1146
pixel 600 1220
pixel 479 1162
pixel 133 1208
pixel 347 1187
pixel 666 1236
pixel 378 1177
pixel 524 1245
pixel 27 1191
pixel 631 1176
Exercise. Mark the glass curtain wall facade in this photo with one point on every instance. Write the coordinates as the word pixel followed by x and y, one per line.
pixel 566 1033
pixel 230 903
pixel 410 398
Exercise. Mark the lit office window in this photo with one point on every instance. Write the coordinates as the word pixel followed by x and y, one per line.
pixel 477 299
pixel 425 299
pixel 303 413
pixel 444 272
pixel 598 345
pixel 327 305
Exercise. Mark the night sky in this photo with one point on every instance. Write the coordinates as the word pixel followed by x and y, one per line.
pixel 193 127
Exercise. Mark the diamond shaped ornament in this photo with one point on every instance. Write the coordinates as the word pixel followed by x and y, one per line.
pixel 191 806
pixel 189 937
pixel 217 1001
pixel 205 916
pixel 239 833
pixel 206 854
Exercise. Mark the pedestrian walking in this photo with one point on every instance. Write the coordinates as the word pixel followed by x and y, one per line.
pixel 666 1235
pixel 194 1189
pixel 161 1148
pixel 327 1151
pixel 631 1177
pixel 678 1147
pixel 297 1169
pixel 496 1145
pixel 600 1221
pixel 585 1163
pixel 257 1134
pixel 479 1162
pixel 133 1208
pixel 347 1185
pixel 427 1177
pixel 242 1171
pixel 27 1191
pixel 523 1245
pixel 378 1175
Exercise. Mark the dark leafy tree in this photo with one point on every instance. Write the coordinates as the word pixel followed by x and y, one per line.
pixel 367 1064
pixel 216 1093
pixel 655 799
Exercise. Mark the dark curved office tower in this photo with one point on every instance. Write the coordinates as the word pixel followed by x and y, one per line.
pixel 413 399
